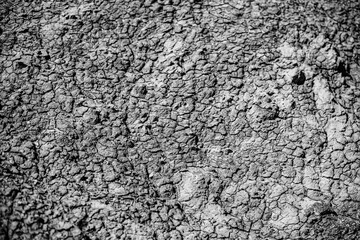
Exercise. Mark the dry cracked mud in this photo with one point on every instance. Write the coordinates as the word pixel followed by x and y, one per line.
pixel 174 119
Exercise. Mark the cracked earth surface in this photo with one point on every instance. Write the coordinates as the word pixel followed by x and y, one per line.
pixel 169 119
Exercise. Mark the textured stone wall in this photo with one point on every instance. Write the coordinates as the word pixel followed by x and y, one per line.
pixel 200 119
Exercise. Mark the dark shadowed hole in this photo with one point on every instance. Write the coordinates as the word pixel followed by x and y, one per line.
pixel 21 65
pixel 40 220
pixel 328 212
pixel 293 105
pixel 343 69
pixel 195 149
pixel 228 151
pixel 299 79
pixel 130 144
pixel 238 15
pixel 143 90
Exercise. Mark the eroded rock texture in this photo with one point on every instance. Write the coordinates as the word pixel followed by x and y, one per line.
pixel 169 119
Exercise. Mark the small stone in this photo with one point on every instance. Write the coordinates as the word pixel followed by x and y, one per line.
pixel 277 190
pixel 64 225
pixel 175 235
pixel 106 151
pixel 80 111
pixel 299 152
pixel 62 190
pixel 75 231
pixel 91 117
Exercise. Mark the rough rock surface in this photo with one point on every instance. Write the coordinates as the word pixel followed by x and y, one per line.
pixel 174 119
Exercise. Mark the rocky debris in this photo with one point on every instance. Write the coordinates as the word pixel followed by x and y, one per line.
pixel 179 119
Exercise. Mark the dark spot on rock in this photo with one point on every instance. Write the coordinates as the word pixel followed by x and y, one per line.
pixel 1 31
pixel 228 151
pixel 143 90
pixel 130 144
pixel 24 30
pixel 313 220
pixel 238 15
pixel 195 148
pixel 145 115
pixel 40 220
pixel 299 78
pixel 328 212
pixel 343 69
pixel 82 223
pixel 148 128
pixel 47 57
pixel 21 65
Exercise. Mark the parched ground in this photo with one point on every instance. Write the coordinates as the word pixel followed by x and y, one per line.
pixel 200 119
